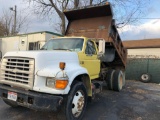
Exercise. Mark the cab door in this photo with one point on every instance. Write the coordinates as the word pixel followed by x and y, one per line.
pixel 91 61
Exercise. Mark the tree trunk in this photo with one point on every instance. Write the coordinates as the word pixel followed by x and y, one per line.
pixel 91 1
pixel 76 3
pixel 63 24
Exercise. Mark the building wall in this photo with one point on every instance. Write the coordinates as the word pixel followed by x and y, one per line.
pixel 144 51
pixel 9 44
pixel 38 37
pixel 21 42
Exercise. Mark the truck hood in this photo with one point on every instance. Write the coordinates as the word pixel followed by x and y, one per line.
pixel 45 59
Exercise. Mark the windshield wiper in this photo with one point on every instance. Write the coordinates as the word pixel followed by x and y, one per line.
pixel 62 49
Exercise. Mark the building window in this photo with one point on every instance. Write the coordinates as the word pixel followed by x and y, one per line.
pixel 31 46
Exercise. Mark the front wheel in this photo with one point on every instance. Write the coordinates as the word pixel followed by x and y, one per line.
pixel 75 103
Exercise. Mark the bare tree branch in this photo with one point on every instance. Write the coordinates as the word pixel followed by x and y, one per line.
pixel 7 24
pixel 124 10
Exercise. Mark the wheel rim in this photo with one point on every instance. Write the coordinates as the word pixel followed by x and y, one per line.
pixel 144 77
pixel 78 103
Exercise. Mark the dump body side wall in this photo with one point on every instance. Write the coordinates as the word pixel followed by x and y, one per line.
pixel 92 27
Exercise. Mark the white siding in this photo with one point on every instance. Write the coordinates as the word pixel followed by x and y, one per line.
pixel 9 44
pixel 13 43
pixel 145 51
pixel 36 37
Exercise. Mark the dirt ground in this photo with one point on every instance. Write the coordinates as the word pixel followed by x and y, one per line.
pixel 137 101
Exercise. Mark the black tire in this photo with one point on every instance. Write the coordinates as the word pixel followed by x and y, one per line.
pixel 10 103
pixel 69 107
pixel 124 79
pixel 109 79
pixel 117 80
pixel 145 78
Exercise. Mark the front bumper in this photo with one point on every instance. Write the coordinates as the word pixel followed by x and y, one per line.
pixel 33 100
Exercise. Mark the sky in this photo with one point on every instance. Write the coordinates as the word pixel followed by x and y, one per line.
pixel 145 29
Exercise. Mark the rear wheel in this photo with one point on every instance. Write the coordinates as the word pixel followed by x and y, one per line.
pixel 109 79
pixel 10 103
pixel 75 103
pixel 124 79
pixel 117 80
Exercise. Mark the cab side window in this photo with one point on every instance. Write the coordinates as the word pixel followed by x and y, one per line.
pixel 90 48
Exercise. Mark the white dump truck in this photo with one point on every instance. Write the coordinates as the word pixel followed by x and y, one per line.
pixel 68 71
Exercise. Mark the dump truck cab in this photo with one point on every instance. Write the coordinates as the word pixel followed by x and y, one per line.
pixel 85 48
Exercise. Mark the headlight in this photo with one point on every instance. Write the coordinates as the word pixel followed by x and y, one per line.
pixel 58 83
pixel 50 82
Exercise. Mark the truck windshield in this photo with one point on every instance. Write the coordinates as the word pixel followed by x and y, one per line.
pixel 70 44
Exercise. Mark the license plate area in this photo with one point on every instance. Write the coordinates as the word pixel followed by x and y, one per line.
pixel 12 96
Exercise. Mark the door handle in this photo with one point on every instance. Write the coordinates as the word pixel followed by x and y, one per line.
pixel 81 62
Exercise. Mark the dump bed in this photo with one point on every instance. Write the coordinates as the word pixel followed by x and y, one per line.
pixel 96 22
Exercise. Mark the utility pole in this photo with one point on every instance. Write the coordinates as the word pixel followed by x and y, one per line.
pixel 15 15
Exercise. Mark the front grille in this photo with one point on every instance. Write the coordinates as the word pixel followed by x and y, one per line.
pixel 17 71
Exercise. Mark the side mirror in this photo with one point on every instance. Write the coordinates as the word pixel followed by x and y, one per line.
pixel 101 47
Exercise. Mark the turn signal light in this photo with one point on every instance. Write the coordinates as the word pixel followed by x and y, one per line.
pixel 61 84
pixel 62 65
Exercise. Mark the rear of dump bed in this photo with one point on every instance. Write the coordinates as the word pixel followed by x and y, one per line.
pixel 96 22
